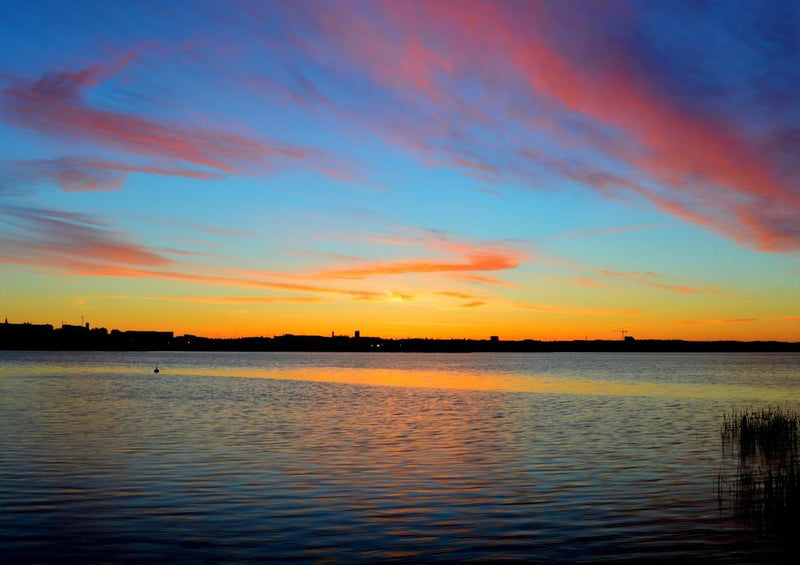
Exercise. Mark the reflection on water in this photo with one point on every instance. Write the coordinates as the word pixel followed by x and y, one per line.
pixel 443 458
pixel 758 377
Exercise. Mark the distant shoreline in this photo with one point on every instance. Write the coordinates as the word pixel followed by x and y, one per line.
pixel 44 337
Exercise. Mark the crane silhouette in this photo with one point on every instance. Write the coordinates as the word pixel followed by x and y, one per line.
pixel 622 332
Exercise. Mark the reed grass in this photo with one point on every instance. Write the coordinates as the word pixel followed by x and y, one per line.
pixel 765 486
pixel 772 432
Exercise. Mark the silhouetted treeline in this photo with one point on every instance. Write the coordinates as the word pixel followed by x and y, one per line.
pixel 68 337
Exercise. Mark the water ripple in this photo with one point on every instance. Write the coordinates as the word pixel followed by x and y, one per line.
pixel 101 462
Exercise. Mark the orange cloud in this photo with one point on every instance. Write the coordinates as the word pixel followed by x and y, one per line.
pixel 78 244
pixel 459 295
pixel 75 244
pixel 484 280
pixel 468 258
pixel 588 282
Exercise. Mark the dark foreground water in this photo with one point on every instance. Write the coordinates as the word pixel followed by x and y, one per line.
pixel 342 458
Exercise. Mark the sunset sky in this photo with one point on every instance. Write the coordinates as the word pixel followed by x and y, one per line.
pixel 545 170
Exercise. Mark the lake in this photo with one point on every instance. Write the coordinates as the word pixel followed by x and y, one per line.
pixel 348 458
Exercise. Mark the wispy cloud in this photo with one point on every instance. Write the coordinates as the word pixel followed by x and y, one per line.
pixel 248 299
pixel 56 104
pixel 615 230
pixel 457 295
pixel 713 322
pixel 462 257
pixel 445 77
pixel 575 310
pixel 655 280
pixel 182 224
pixel 229 232
pixel 214 299
pixel 588 282
pixel 77 244
pixel 90 174
pixel 51 237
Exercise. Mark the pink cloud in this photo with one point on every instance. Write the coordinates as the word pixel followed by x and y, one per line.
pixel 588 282
pixel 54 104
pixel 66 243
pixel 78 244
pixel 51 259
pixel 93 174
pixel 430 58
pixel 53 237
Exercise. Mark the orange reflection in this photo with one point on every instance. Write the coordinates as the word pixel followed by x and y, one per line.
pixel 475 380
pixel 503 382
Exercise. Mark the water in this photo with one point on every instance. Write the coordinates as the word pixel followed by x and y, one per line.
pixel 346 458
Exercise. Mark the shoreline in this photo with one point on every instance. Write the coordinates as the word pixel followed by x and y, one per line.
pixel 379 345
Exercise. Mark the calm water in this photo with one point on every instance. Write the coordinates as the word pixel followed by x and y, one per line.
pixel 344 458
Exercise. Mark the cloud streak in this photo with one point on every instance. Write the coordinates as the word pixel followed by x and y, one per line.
pixel 51 237
pixel 92 174
pixel 649 278
pixel 56 104
pixel 463 257
pixel 575 310
pixel 589 110
pixel 247 299
pixel 615 230
pixel 713 322
pixel 78 244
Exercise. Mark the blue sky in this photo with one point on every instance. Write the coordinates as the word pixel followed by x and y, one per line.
pixel 533 169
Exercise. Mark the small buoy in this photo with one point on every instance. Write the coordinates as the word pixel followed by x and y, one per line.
pixel 156 369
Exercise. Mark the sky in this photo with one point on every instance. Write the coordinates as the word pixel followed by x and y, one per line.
pixel 460 169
